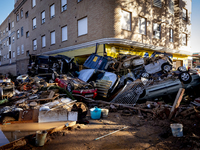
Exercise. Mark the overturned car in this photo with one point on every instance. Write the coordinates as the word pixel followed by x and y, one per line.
pixel 42 64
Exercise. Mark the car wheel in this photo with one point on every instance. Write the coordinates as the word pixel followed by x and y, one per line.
pixel 182 69
pixel 140 91
pixel 185 77
pixel 145 75
pixel 70 87
pixel 166 67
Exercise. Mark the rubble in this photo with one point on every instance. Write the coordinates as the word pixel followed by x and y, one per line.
pixel 129 85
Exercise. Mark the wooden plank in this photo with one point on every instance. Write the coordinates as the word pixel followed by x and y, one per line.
pixel 177 102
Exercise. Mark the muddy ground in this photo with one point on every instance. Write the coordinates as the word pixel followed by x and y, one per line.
pixel 143 133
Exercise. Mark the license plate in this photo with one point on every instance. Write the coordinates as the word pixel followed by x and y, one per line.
pixel 89 95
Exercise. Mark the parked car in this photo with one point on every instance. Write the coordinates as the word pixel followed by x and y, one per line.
pixel 42 64
pixel 76 86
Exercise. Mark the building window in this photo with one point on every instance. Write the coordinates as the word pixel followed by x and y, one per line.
pixel 142 25
pixel 126 20
pixel 157 3
pixel 171 6
pixel 17 33
pixel 26 14
pixel 4 57
pixel 13 39
pixel 34 23
pixel 184 40
pixel 35 44
pixel 63 5
pixel 43 41
pixel 171 35
pixel 64 33
pixel 27 34
pixel 9 26
pixel 9 40
pixel 13 54
pixel 22 31
pixel 27 53
pixel 13 24
pixel 4 44
pixel 4 32
pixel 22 47
pixel 22 13
pixel 18 17
pixel 33 3
pixel 43 17
pixel 53 40
pixel 82 26
pixel 18 50
pixel 52 10
pixel 157 31
pixel 184 14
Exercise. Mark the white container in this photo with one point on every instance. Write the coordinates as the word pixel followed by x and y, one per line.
pixel 177 129
pixel 104 112
pixel 40 138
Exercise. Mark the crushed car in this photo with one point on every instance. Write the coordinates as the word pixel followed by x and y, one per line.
pixel 105 82
pixel 42 64
pixel 76 86
pixel 7 88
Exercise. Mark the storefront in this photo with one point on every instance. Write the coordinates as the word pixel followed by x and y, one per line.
pixel 115 50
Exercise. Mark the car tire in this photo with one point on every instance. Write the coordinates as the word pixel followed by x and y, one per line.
pixel 70 87
pixel 166 67
pixel 182 69
pixel 185 77
pixel 139 91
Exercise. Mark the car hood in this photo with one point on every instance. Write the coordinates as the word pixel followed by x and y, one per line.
pixel 85 74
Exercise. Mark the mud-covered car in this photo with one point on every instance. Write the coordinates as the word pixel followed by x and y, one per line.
pixel 7 88
pixel 105 82
pixel 76 86
pixel 42 64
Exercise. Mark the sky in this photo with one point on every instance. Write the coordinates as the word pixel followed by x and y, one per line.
pixel 6 6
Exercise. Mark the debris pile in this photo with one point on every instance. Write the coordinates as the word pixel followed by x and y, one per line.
pixel 53 91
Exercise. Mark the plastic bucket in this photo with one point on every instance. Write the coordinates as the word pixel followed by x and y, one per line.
pixel 104 112
pixel 95 113
pixel 177 129
pixel 40 138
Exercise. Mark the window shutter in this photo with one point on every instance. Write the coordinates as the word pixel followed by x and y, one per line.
pixel 142 25
pixel 52 10
pixel 64 2
pixel 43 41
pixel 22 49
pixel 126 20
pixel 82 27
pixel 64 33
pixel 43 14
pixel 157 3
pixel 33 3
pixel 171 7
pixel 53 38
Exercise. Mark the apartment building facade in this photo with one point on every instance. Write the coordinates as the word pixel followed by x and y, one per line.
pixel 7 45
pixel 77 28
